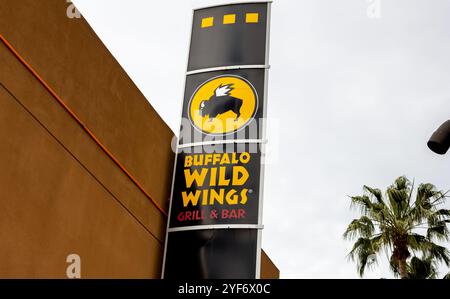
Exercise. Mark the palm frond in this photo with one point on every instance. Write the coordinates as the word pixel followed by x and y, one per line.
pixel 398 199
pixel 428 196
pixel 421 268
pixel 425 206
pixel 363 203
pixel 437 252
pixel 376 193
pixel 416 241
pixel 360 227
pixel 401 183
pixel 364 253
pixel 438 231
pixel 443 213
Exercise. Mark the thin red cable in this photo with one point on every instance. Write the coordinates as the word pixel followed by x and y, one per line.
pixel 83 126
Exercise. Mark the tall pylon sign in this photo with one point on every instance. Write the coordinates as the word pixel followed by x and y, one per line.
pixel 215 219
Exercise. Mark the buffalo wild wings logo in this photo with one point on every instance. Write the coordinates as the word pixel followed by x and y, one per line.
pixel 223 105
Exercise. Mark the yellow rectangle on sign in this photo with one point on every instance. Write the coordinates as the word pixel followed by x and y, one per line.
pixel 207 22
pixel 229 19
pixel 252 18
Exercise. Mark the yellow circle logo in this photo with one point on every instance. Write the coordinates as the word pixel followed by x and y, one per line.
pixel 223 105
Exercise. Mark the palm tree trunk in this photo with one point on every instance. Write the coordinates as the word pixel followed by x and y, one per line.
pixel 401 253
pixel 402 268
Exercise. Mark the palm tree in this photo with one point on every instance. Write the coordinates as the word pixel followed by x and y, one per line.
pixel 392 223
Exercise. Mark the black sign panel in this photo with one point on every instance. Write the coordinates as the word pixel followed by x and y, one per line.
pixel 211 254
pixel 228 35
pixel 223 105
pixel 216 188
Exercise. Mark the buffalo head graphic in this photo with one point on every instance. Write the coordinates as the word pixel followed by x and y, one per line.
pixel 221 102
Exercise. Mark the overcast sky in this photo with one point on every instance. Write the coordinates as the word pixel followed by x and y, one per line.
pixel 356 95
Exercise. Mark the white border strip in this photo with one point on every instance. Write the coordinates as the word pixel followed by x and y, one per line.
pixel 216 226
pixel 235 141
pixel 263 151
pixel 227 68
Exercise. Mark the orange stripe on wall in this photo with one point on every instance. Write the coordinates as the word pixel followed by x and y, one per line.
pixel 83 126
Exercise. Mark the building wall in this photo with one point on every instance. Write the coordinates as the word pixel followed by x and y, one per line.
pixel 59 192
pixel 268 269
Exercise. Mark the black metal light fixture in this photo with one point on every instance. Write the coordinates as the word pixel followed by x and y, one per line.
pixel 440 140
